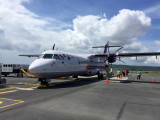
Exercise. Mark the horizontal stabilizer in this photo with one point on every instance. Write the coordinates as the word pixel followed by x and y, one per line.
pixel 104 46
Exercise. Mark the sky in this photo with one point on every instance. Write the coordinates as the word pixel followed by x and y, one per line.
pixel 32 26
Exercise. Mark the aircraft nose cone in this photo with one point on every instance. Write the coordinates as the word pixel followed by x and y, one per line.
pixel 32 68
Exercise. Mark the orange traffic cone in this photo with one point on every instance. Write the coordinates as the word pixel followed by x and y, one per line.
pixel 120 76
pixel 15 74
pixel 153 80
pixel 107 81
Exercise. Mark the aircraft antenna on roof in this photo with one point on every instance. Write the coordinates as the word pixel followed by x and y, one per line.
pixel 53 47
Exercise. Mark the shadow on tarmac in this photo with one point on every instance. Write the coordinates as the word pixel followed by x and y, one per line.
pixel 139 81
pixel 76 83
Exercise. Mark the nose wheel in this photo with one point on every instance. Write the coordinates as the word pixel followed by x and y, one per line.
pixel 43 81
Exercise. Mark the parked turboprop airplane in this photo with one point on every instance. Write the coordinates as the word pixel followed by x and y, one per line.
pixel 53 64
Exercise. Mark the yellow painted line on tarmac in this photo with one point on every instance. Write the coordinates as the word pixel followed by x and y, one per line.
pixel 1 102
pixel 17 102
pixel 8 91
pixel 25 84
pixel 34 87
pixel 24 88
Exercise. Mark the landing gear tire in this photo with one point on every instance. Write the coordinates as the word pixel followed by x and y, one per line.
pixel 100 76
pixel 43 81
pixel 76 77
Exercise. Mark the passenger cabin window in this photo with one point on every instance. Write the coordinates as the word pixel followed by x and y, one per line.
pixel 47 56
pixel 56 57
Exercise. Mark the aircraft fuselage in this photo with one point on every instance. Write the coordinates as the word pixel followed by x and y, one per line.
pixel 53 64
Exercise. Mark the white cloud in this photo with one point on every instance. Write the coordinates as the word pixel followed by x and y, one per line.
pixel 121 29
pixel 157 42
pixel 24 31
pixel 152 60
pixel 153 11
pixel 135 47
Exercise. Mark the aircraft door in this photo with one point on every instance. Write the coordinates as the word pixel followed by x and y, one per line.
pixel 80 64
pixel 58 63
pixel 65 67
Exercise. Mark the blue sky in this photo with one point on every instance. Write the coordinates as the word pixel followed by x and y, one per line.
pixel 30 26
pixel 67 10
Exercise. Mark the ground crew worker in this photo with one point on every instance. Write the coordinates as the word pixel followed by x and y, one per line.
pixel 126 72
pixel 123 73
pixel 118 73
pixel 138 74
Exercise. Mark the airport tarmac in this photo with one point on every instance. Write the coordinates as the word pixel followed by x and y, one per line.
pixel 86 99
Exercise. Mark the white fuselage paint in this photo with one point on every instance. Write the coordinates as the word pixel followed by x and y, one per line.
pixel 68 65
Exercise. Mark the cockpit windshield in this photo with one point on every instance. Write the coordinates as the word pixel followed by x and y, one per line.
pixel 51 56
pixel 47 56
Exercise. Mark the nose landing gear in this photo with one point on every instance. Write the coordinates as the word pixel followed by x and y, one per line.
pixel 43 81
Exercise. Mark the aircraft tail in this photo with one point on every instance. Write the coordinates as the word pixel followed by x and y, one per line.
pixel 106 47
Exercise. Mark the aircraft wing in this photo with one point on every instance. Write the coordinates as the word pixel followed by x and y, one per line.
pixel 30 55
pixel 138 54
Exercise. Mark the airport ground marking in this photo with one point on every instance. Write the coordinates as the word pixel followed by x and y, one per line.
pixel 34 87
pixel 25 84
pixel 25 88
pixel 17 102
pixel 8 91
pixel 1 102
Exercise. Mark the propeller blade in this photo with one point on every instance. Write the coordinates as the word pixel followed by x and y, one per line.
pixel 121 61
pixel 118 49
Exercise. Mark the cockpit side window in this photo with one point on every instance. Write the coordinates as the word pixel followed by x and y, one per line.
pixel 61 57
pixel 56 57
pixel 47 56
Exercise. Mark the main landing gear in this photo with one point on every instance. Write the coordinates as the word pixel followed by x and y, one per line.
pixel 100 76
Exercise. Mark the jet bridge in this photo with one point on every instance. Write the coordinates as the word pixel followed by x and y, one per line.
pixel 2 81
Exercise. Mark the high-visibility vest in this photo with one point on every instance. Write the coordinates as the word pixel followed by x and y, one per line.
pixel 118 72
pixel 139 73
